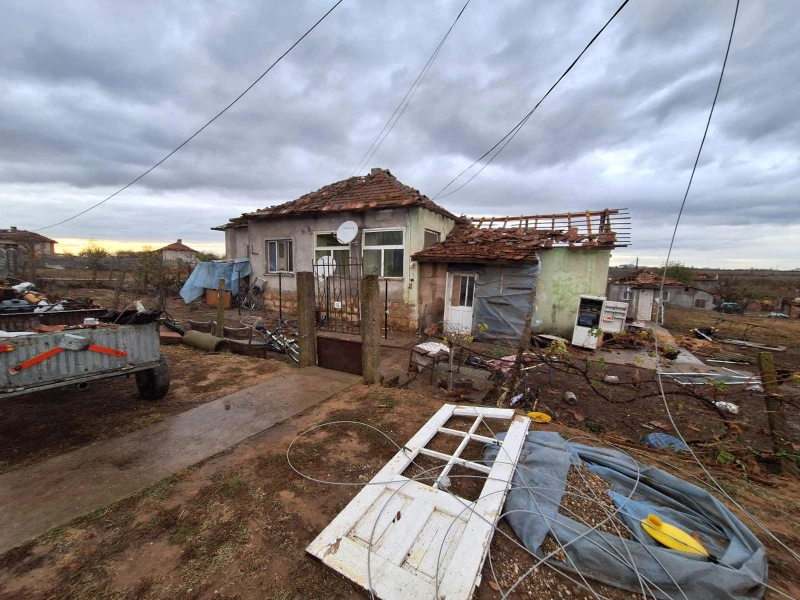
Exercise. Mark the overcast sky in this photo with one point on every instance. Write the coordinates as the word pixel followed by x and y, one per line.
pixel 92 93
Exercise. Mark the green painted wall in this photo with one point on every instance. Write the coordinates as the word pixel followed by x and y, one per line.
pixel 566 275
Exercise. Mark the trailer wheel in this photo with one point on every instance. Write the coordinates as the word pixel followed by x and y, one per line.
pixel 153 383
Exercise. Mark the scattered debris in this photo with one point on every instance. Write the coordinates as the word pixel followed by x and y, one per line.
pixel 690 378
pixel 663 441
pixel 570 398
pixel 753 345
pixel 727 407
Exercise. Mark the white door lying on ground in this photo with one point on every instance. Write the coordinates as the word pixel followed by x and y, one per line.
pixel 411 539
pixel 459 297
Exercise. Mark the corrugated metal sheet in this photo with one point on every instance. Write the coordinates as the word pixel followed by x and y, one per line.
pixel 140 342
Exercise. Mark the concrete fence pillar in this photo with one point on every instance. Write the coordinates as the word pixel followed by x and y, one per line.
pixel 371 310
pixel 306 318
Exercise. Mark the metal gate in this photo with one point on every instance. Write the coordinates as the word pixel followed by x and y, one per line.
pixel 337 296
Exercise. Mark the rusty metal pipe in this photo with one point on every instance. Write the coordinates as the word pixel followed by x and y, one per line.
pixel 205 341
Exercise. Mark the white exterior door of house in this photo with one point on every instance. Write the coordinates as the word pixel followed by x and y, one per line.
pixel 459 297
pixel 644 308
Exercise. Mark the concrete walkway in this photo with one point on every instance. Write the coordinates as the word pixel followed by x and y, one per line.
pixel 36 498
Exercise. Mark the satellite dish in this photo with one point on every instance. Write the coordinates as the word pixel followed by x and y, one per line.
pixel 347 232
pixel 326 265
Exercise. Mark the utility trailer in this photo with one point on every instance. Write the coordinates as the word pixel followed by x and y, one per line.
pixel 78 355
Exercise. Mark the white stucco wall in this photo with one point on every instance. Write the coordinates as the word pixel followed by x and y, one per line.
pixel 186 256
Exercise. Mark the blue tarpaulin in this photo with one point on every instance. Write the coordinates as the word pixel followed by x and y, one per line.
pixel 533 509
pixel 207 274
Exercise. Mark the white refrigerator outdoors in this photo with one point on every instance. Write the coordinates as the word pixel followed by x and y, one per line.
pixel 596 316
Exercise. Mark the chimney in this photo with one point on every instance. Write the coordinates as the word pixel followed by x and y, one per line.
pixel 180 241
pixel 375 170
pixel 12 229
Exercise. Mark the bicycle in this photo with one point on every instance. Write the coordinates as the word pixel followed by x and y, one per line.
pixel 275 340
pixel 251 298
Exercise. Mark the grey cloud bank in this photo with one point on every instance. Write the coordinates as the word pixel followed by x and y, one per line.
pixel 95 92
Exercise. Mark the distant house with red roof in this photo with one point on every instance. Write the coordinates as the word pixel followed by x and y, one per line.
pixel 29 240
pixel 178 252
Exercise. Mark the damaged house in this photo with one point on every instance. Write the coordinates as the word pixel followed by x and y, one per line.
pixel 640 290
pixel 488 271
pixel 393 222
pixel 433 265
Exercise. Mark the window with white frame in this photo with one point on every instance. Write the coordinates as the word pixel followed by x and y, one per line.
pixel 280 258
pixel 384 253
pixel 326 244
pixel 665 296
pixel 626 294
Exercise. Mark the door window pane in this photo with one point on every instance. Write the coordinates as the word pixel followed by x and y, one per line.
pixel 455 292
pixel 392 263
pixel 342 258
pixel 372 262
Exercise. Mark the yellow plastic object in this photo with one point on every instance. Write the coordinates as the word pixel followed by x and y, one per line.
pixel 540 417
pixel 671 536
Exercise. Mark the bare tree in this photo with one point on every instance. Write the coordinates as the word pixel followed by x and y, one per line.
pixel 95 254
pixel 28 248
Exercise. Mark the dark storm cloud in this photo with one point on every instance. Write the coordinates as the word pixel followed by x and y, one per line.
pixel 94 93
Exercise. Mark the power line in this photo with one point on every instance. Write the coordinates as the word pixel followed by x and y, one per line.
pixel 401 108
pixel 515 130
pixel 190 138
pixel 722 490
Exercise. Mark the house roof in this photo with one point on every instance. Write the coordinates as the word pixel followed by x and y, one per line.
pixel 20 235
pixel 647 279
pixel 379 189
pixel 518 239
pixel 179 245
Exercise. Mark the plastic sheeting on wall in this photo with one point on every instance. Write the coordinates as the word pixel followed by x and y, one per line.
pixel 502 297
pixel 207 274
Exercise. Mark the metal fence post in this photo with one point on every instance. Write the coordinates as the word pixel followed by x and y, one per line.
pixel 386 311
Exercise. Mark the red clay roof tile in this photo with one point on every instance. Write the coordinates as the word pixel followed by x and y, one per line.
pixel 379 189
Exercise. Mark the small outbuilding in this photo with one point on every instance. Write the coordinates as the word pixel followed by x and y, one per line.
pixel 178 252
pixel 640 290
pixel 489 271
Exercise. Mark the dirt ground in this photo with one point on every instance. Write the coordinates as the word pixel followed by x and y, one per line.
pixel 772 332
pixel 236 526
pixel 36 426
